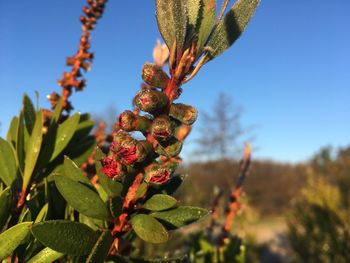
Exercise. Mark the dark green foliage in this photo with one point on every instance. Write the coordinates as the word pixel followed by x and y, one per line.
pixel 67 237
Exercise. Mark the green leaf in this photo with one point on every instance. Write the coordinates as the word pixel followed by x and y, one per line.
pixel 11 238
pixel 8 169
pixel 29 113
pixel 180 216
pixel 33 149
pixel 65 236
pixel 47 255
pixel 231 27
pixel 21 140
pixel 65 133
pixel 81 197
pixel 93 223
pixel 72 171
pixel 160 202
pixel 100 251
pixel 111 187
pixel 5 206
pixel 174 184
pixel 149 229
pixel 42 214
pixel 12 132
pixel 172 21
pixel 57 112
pixel 206 22
pixel 193 8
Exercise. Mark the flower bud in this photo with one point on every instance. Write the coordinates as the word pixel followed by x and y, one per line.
pixel 129 121
pixel 131 151
pixel 157 175
pixel 118 138
pixel 150 100
pixel 183 113
pixel 162 128
pixel 171 148
pixel 111 167
pixel 154 75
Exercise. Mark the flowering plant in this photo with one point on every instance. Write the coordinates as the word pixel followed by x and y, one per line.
pixel 64 199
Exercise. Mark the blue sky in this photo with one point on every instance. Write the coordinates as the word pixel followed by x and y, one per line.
pixel 290 71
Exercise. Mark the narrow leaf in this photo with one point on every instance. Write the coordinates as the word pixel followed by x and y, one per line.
pixel 205 22
pixel 231 27
pixel 81 197
pixel 80 151
pixel 5 206
pixel 193 8
pixel 29 113
pixel 47 255
pixel 149 229
pixel 100 251
pixel 180 216
pixel 65 133
pixel 11 238
pixel 172 21
pixel 57 112
pixel 8 169
pixel 12 132
pixel 160 202
pixel 21 140
pixel 42 214
pixel 65 236
pixel 33 149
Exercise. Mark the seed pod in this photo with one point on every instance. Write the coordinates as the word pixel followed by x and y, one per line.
pixel 150 100
pixel 182 131
pixel 162 128
pixel 183 113
pixel 169 149
pixel 111 167
pixel 154 75
pixel 157 175
pixel 129 121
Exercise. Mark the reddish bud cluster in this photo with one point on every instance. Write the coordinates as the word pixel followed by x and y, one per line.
pixel 111 167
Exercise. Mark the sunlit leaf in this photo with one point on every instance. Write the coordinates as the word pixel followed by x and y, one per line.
pixel 65 133
pixel 11 238
pixel 47 255
pixel 180 216
pixel 160 202
pixel 33 149
pixel 172 21
pixel 81 197
pixel 149 229
pixel 231 27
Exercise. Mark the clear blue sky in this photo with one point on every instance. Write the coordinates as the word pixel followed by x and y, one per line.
pixel 290 71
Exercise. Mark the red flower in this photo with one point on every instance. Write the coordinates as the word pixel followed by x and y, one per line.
pixel 111 167
pixel 128 154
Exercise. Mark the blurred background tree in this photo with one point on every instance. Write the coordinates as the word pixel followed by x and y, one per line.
pixel 220 129
pixel 318 223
